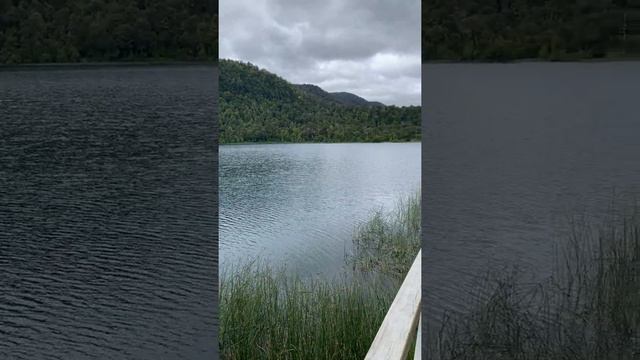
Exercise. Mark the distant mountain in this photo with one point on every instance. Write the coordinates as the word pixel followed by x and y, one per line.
pixel 258 106
pixel 343 98
pixel 318 92
pixel 352 99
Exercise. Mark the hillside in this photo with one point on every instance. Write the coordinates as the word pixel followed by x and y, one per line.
pixel 69 31
pixel 499 30
pixel 258 106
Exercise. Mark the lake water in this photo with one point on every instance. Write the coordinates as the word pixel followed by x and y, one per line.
pixel 297 205
pixel 512 151
pixel 108 213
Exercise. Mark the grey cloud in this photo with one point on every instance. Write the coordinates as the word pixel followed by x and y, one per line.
pixel 368 47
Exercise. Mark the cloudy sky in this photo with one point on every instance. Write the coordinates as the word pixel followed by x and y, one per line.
pixel 367 47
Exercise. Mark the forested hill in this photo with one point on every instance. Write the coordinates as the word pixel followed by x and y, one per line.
pixel 48 31
pixel 526 29
pixel 258 106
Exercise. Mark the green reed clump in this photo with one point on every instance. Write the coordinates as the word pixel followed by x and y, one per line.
pixel 589 309
pixel 388 243
pixel 268 314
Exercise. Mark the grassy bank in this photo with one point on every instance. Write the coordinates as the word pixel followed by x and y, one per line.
pixel 272 314
pixel 588 309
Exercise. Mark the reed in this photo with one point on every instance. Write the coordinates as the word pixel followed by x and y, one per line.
pixel 267 314
pixel 588 309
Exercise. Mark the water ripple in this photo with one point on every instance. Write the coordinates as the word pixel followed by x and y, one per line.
pixel 108 213
pixel 298 204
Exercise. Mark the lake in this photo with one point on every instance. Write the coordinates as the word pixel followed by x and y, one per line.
pixel 297 205
pixel 108 213
pixel 512 152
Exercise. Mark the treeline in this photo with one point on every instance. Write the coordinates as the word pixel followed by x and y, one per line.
pixel 257 106
pixel 54 31
pixel 526 29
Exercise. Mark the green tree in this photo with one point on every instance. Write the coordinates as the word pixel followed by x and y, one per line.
pixel 514 29
pixel 107 30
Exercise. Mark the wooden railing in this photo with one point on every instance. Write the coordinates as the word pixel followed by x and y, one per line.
pixel 403 320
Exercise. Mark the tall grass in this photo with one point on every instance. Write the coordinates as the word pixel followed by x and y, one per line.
pixel 588 309
pixel 272 314
pixel 388 243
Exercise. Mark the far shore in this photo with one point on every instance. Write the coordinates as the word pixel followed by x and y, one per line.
pixel 606 59
pixel 319 142
pixel 91 64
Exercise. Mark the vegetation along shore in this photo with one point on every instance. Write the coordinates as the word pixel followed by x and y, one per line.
pixel 73 31
pixel 506 30
pixel 272 314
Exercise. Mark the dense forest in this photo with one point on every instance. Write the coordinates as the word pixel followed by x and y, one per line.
pixel 55 31
pixel 526 29
pixel 258 106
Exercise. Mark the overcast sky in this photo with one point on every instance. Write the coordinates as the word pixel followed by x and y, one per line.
pixel 367 47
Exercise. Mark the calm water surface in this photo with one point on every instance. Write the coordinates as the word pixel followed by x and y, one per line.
pixel 108 213
pixel 296 205
pixel 512 151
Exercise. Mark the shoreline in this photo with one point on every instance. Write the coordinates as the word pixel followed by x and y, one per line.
pixel 635 58
pixel 321 142
pixel 106 64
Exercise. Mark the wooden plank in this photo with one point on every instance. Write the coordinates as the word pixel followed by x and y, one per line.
pixel 396 334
